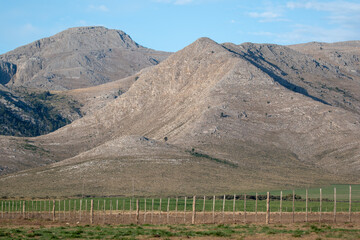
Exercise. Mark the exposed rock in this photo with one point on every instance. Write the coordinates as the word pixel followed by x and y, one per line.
pixel 76 58
pixel 287 133
pixel 79 57
pixel 7 71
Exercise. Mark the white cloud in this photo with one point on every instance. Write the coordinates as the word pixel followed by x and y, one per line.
pixel 182 2
pixel 82 23
pixel 29 29
pixel 305 33
pixel 334 6
pixel 263 34
pixel 341 12
pixel 267 16
pixel 264 15
pixel 101 8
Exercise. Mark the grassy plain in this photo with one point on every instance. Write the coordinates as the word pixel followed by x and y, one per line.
pixel 245 231
pixel 125 203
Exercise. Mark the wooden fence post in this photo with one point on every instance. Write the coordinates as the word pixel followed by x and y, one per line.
pixel 306 206
pixel 92 211
pixel 64 209
pixel 111 207
pixel 152 210
pixel 349 203
pixel 185 210
pixel 59 210
pixel 204 210
pixel 70 209
pixel 268 208
pixel 130 207
pixel 53 211
pixel 24 209
pixel 160 209
pixel 256 205
pixel 213 210
pixel 193 210
pixel 123 211
pixel 104 210
pixel 137 211
pixel 167 211
pixel 245 208
pixel 145 212
pixel 176 208
pixel 234 208
pixel 281 198
pixel 320 209
pixel 80 209
pixel 223 209
pixel 293 206
pixel 75 206
pixel 334 204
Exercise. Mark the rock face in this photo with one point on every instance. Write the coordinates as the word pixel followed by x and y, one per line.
pixel 77 58
pixel 7 71
pixel 211 115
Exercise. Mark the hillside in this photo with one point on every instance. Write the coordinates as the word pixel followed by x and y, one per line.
pixel 76 58
pixel 34 78
pixel 211 116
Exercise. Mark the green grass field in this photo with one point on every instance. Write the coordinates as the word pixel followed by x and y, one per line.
pixel 311 231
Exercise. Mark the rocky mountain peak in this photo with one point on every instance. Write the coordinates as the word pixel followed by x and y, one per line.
pixel 77 58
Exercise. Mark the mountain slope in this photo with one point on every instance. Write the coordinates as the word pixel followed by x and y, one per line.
pixel 220 108
pixel 76 58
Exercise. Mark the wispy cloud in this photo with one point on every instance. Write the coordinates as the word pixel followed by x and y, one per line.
pixel 334 6
pixel 340 12
pixel 270 11
pixel 176 2
pixel 184 2
pixel 305 33
pixel 29 28
pixel 267 16
pixel 101 8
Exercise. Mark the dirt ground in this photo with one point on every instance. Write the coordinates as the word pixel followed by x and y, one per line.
pixel 251 227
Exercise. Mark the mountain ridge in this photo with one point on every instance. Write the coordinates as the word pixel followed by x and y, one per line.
pixel 84 54
pixel 76 58
pixel 222 102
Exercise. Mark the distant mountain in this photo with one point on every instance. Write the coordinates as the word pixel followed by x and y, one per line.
pixel 211 118
pixel 76 58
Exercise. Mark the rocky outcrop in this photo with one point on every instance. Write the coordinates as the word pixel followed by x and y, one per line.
pixel 7 72
pixel 76 58
pixel 79 57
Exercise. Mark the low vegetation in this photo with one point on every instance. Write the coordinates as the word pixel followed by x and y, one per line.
pixel 34 113
pixel 304 231
pixel 221 161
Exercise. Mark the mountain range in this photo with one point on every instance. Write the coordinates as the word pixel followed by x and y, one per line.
pixel 75 58
pixel 211 118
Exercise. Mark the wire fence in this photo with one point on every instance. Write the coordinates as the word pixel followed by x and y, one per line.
pixel 281 207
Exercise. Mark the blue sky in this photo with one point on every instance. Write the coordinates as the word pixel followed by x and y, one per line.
pixel 170 25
